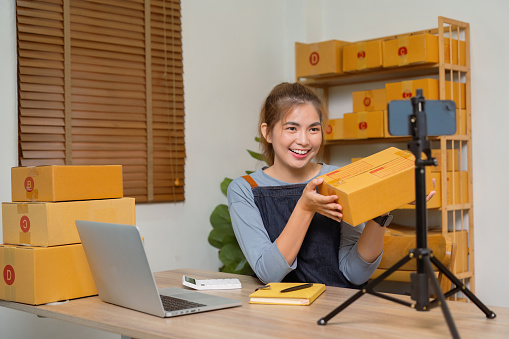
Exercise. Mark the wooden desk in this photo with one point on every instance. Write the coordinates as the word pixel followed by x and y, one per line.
pixel 368 317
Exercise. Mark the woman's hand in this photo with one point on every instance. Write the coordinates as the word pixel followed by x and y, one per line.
pixel 312 201
pixel 430 195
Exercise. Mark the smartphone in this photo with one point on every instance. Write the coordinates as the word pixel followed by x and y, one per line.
pixel 440 117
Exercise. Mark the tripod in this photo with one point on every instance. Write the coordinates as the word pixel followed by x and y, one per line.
pixel 424 256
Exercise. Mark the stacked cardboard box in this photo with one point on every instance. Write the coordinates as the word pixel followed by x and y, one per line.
pixel 41 258
pixel 335 57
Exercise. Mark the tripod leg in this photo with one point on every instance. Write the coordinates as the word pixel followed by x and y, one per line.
pixel 324 320
pixel 369 287
pixel 489 313
pixel 440 296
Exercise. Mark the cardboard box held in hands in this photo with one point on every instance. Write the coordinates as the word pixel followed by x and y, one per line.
pixel 372 186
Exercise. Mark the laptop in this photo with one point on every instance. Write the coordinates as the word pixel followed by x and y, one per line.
pixel 122 274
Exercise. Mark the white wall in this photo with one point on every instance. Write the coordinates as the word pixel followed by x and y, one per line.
pixel 234 53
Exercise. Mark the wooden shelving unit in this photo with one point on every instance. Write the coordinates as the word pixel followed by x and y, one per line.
pixel 455 216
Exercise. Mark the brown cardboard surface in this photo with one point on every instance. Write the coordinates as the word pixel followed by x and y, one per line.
pixel 369 100
pixel 39 275
pixel 452 160
pixel 430 90
pixel 335 130
pixel 363 125
pixel 421 48
pixel 362 56
pixel 372 186
pixel 319 58
pixel 53 223
pixel 66 183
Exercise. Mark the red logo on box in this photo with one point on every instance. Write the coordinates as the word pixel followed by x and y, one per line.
pixel 363 125
pixel 367 101
pixel 402 51
pixel 29 184
pixel 314 58
pixel 24 223
pixel 361 55
pixel 328 130
pixel 9 275
pixel 406 95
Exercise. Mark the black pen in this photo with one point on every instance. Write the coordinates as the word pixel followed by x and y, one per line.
pixel 296 288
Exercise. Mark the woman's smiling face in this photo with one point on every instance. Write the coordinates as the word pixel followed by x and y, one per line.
pixel 297 138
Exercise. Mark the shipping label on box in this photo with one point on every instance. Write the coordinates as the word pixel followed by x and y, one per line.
pixel 362 56
pixel 334 130
pixel 370 100
pixel 66 183
pixel 362 125
pixel 53 223
pixel 40 275
pixel 372 186
pixel 319 58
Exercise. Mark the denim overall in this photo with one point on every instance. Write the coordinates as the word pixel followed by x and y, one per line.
pixel 317 260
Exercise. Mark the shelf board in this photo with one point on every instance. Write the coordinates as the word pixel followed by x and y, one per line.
pixel 372 75
pixel 371 141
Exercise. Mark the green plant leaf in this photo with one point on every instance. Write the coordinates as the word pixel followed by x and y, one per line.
pixel 224 185
pixel 216 237
pixel 231 253
pixel 220 216
pixel 249 172
pixel 256 155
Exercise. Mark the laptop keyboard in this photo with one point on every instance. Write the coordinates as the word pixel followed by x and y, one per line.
pixel 175 304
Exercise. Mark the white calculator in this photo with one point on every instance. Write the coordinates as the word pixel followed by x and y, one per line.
pixel 211 284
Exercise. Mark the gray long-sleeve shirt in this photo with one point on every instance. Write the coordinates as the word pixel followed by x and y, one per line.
pixel 264 256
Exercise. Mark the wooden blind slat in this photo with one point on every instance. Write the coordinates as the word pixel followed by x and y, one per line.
pixel 107 108
pixel 109 138
pixel 34 137
pixel 39 5
pixel 112 17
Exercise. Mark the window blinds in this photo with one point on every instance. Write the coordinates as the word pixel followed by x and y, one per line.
pixel 100 82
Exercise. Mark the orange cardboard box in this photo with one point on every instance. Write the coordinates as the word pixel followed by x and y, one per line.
pixel 457 183
pixel 334 130
pixel 436 201
pixel 66 183
pixel 40 275
pixel 420 48
pixel 362 56
pixel 319 58
pixel 370 100
pixel 363 125
pixel 398 240
pixel 407 89
pixel 461 122
pixel 452 160
pixel 53 223
pixel 372 186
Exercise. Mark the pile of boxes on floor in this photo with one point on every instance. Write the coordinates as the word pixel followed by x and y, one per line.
pixel 369 116
pixel 41 258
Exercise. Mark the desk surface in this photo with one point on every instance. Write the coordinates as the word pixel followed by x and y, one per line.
pixel 369 316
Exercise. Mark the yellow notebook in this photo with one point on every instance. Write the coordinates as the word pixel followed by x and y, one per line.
pixel 274 296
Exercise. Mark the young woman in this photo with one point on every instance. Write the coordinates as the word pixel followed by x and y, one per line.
pixel 286 230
